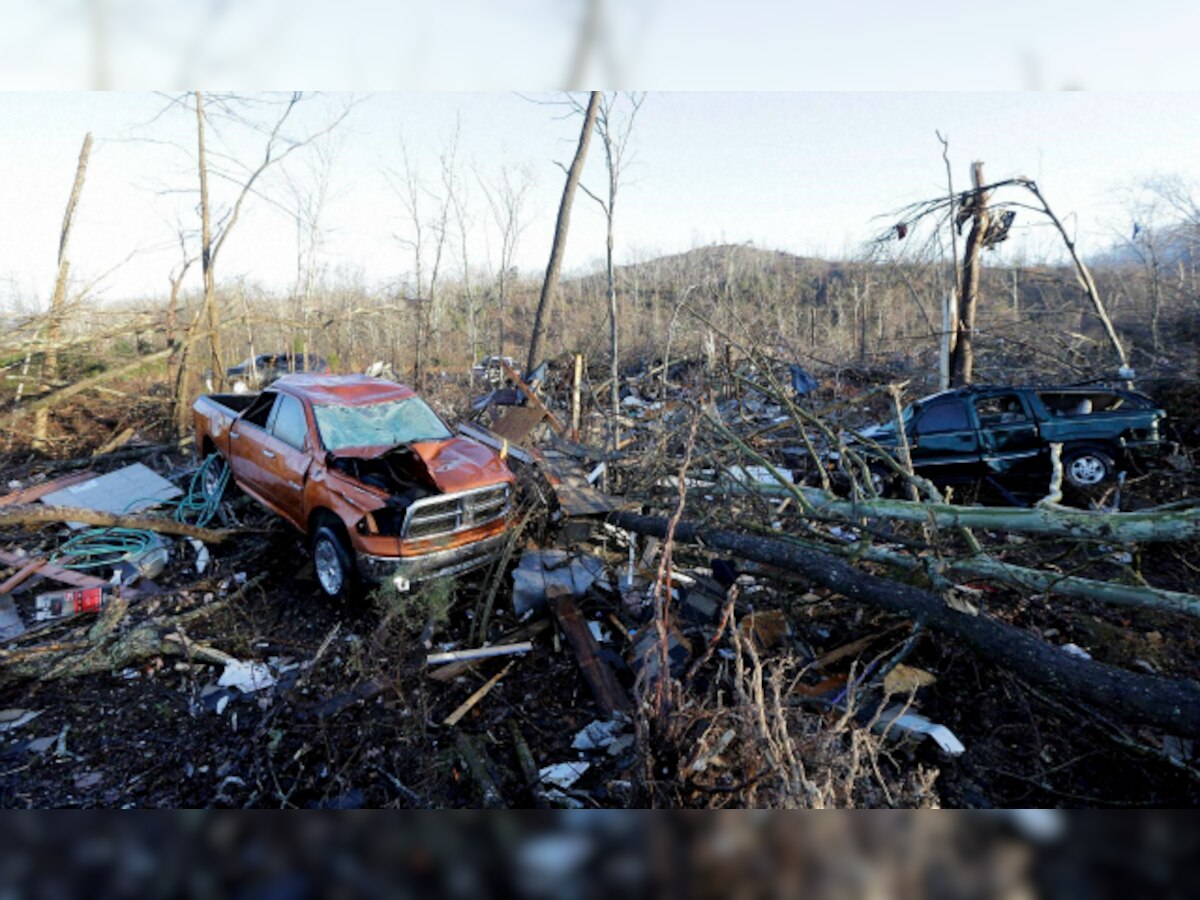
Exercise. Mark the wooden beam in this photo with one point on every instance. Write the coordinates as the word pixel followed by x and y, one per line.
pixel 609 694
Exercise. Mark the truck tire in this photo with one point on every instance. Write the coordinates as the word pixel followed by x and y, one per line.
pixel 215 466
pixel 333 565
pixel 1087 467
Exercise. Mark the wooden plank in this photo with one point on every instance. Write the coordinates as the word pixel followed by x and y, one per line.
pixel 467 705
pixel 53 572
pixel 21 576
pixel 609 694
pixel 452 670
pixel 29 494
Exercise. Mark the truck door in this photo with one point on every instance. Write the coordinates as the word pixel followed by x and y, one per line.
pixel 286 458
pixel 246 437
pixel 945 443
pixel 1008 433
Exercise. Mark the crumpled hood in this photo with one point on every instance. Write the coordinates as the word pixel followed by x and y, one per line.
pixel 460 464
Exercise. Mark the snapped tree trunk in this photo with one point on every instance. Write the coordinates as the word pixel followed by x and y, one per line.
pixel 212 314
pixel 59 299
pixel 550 284
pixel 962 357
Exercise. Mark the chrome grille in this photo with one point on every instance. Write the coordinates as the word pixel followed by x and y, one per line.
pixel 448 513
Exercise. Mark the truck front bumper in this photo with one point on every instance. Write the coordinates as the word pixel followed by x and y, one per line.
pixel 411 569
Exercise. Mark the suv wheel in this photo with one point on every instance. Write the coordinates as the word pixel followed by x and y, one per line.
pixel 1087 467
pixel 332 563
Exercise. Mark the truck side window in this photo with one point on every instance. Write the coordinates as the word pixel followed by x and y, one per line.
pixel 947 416
pixel 290 425
pixel 260 410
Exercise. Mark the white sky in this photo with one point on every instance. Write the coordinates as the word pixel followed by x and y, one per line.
pixel 804 172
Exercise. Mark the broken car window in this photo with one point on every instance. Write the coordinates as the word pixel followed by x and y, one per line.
pixel 378 425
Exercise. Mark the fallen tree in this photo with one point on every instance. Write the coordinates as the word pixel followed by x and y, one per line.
pixel 1169 704
pixel 1146 526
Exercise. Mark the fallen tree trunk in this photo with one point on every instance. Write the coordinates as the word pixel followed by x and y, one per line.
pixel 79 387
pixel 1082 524
pixel 32 514
pixel 991 569
pixel 1169 704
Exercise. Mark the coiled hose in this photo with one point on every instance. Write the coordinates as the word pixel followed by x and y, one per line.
pixel 97 548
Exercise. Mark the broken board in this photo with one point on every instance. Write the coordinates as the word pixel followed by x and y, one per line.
pixel 575 495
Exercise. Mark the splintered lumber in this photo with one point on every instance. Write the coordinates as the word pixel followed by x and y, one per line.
pixel 21 576
pixel 599 677
pixel 31 514
pixel 467 705
pixel 1170 704
pixel 1082 524
pixel 53 572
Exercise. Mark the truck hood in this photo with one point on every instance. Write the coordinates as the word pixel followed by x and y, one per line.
pixel 455 464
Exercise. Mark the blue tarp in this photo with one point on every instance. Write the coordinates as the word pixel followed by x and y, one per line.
pixel 802 382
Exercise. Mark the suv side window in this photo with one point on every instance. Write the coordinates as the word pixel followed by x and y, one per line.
pixel 290 425
pixel 948 415
pixel 1003 409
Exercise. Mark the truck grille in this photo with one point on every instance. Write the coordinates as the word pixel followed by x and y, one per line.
pixel 449 513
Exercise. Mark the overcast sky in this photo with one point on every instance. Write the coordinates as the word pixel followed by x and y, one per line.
pixel 803 172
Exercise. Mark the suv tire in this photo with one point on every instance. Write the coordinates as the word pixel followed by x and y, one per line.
pixel 1087 467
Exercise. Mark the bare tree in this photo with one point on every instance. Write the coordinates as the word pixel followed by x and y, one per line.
pixel 425 238
pixel 278 145
pixel 506 200
pixel 991 221
pixel 614 129
pixel 562 225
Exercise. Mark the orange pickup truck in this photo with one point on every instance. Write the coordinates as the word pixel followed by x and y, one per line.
pixel 376 480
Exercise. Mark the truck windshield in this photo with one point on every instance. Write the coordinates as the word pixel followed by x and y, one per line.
pixel 378 425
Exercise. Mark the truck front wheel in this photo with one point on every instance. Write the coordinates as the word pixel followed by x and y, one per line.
pixel 334 566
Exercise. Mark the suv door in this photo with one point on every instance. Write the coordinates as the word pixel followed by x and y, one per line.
pixel 944 439
pixel 1008 433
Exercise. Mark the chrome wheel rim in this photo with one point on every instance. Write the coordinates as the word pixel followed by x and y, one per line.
pixel 1087 470
pixel 212 477
pixel 329 567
